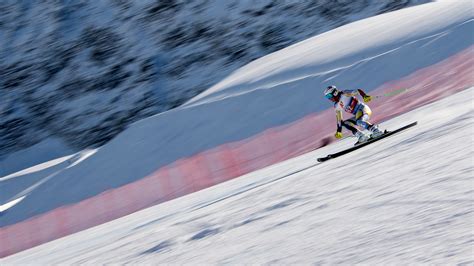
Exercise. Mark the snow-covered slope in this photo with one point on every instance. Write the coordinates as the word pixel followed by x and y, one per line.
pixel 46 150
pixel 404 200
pixel 20 184
pixel 363 54
pixel 84 70
pixel 238 108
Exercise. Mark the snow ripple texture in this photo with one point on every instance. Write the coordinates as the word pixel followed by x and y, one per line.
pixel 406 199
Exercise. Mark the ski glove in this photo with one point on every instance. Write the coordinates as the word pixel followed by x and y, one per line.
pixel 367 98
pixel 338 135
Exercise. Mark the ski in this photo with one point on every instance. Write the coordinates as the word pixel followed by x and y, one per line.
pixel 370 141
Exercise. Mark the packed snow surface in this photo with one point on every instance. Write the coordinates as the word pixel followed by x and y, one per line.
pixel 274 90
pixel 405 199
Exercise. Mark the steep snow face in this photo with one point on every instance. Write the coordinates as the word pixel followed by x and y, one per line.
pixel 84 70
pixel 347 56
pixel 44 151
pixel 163 139
pixel 15 187
pixel 404 200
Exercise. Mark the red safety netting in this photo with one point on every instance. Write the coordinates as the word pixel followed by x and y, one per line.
pixel 234 159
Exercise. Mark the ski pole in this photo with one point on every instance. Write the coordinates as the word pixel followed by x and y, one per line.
pixel 392 93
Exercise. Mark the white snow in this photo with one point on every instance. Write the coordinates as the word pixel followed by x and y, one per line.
pixel 274 90
pixel 38 167
pixel 10 204
pixel 198 42
pixel 393 40
pixel 44 151
pixel 15 187
pixel 407 199
pixel 404 200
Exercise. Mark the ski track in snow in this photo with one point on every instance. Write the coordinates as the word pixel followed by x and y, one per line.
pixel 405 199
pixel 390 46
pixel 15 187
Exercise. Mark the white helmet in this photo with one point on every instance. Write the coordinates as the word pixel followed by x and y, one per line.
pixel 330 92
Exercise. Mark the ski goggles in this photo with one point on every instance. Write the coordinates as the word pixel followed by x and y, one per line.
pixel 329 96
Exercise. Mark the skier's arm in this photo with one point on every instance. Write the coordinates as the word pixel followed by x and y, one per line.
pixel 367 98
pixel 339 123
pixel 350 92
pixel 339 120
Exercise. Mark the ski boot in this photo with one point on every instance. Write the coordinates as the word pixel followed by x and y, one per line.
pixel 376 132
pixel 361 137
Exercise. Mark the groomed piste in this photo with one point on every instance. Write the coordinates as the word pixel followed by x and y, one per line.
pixel 271 111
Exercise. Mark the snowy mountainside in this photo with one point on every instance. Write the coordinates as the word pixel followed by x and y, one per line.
pixel 244 111
pixel 346 56
pixel 46 150
pixel 83 71
pixel 401 201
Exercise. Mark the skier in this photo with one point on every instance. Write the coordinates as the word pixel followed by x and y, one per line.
pixel 347 100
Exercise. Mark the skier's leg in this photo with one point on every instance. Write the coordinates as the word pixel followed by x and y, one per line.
pixel 362 119
pixel 350 124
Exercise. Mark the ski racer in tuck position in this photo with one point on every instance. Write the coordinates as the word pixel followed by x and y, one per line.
pixel 347 100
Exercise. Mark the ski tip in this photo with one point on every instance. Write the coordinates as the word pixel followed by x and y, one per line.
pixel 323 159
